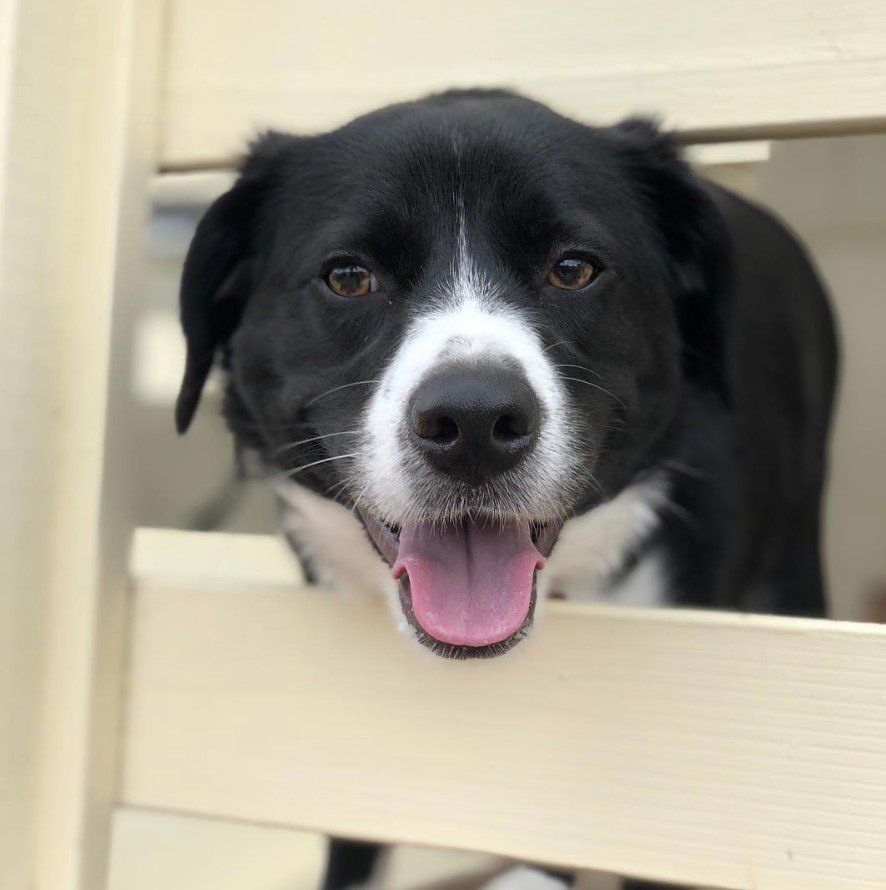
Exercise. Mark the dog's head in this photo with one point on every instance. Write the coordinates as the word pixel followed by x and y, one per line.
pixel 466 318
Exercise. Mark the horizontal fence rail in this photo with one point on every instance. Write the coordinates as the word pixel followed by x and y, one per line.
pixel 712 70
pixel 702 748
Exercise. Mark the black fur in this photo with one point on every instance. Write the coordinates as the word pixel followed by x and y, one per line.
pixel 708 325
pixel 350 864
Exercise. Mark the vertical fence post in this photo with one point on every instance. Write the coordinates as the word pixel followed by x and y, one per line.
pixel 78 105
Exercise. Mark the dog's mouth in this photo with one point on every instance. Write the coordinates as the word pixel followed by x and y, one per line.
pixel 468 587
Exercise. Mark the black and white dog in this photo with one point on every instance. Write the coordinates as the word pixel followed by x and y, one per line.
pixel 488 354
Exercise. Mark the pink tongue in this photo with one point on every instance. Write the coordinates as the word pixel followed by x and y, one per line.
pixel 471 584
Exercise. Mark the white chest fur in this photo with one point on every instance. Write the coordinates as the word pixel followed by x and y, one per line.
pixel 593 546
pixel 334 541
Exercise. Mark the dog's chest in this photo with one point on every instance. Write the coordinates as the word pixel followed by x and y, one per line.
pixel 332 541
pixel 591 557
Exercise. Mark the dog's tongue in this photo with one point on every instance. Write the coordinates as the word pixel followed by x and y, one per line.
pixel 471 584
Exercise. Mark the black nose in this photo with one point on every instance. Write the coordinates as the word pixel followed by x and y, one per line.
pixel 474 422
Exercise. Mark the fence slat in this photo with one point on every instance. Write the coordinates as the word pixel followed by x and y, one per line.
pixel 715 749
pixel 716 69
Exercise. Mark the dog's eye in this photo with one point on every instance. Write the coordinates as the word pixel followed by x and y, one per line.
pixel 572 273
pixel 351 281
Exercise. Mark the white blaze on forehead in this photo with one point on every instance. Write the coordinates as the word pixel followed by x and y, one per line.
pixel 464 332
pixel 466 321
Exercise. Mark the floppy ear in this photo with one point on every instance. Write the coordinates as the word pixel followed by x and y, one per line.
pixel 218 271
pixel 695 237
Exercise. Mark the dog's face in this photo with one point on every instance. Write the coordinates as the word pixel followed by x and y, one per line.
pixel 467 319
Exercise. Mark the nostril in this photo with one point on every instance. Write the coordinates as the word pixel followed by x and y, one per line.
pixel 474 422
pixel 438 428
pixel 510 427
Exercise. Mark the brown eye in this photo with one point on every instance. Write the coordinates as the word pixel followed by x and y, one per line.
pixel 572 273
pixel 351 281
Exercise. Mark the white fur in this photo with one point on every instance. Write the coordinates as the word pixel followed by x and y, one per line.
pixel 591 547
pixel 594 545
pixel 646 585
pixel 524 877
pixel 468 321
pixel 337 545
pixel 465 323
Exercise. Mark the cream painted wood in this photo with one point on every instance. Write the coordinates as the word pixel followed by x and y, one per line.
pixel 19 614
pixel 709 68
pixel 77 106
pixel 218 559
pixel 162 851
pixel 154 851
pixel 731 751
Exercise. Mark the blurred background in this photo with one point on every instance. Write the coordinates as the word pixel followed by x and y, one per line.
pixel 783 102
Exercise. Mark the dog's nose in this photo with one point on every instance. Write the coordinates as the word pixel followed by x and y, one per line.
pixel 474 422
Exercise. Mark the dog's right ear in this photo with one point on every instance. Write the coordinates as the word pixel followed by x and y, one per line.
pixel 693 231
pixel 218 273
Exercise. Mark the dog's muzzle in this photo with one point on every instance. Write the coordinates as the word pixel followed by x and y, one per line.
pixel 468 588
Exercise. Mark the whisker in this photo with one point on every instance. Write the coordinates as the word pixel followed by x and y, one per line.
pixel 680 512
pixel 612 395
pixel 278 451
pixel 337 486
pixel 582 368
pixel 357 500
pixel 336 389
pixel 688 470
pixel 555 345
pixel 258 425
pixel 325 460
pixel 592 479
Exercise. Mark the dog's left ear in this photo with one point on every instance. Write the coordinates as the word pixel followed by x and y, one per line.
pixel 695 237
pixel 218 273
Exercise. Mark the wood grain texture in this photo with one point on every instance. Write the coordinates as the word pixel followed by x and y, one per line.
pixel 714 70
pixel 712 749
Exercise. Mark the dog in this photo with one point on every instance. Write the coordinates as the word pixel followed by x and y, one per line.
pixel 488 355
